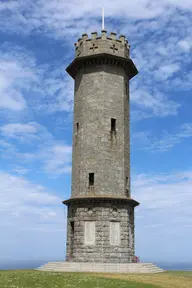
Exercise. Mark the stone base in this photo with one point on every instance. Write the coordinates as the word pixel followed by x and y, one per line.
pixel 100 267
pixel 109 216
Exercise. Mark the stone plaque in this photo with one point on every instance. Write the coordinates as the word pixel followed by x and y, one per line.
pixel 89 233
pixel 115 233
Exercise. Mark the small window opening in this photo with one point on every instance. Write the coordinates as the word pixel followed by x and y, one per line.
pixel 91 179
pixel 72 227
pixel 77 126
pixel 113 125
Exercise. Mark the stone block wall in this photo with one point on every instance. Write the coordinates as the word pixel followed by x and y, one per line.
pixel 102 212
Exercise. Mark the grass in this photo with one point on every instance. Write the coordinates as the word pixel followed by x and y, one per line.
pixel 39 279
pixel 170 279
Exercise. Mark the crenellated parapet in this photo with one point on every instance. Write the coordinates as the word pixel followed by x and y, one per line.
pixel 98 44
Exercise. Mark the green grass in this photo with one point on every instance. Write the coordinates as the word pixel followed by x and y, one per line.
pixel 168 279
pixel 40 279
pixel 36 279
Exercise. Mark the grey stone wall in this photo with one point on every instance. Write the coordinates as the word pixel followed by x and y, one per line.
pixel 102 214
pixel 101 93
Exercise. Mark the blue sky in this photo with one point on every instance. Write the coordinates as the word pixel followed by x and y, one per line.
pixel 36 108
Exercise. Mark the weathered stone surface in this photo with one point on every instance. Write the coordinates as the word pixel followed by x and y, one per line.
pixel 109 158
pixel 101 250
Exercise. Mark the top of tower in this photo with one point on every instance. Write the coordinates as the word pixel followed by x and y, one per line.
pixel 99 44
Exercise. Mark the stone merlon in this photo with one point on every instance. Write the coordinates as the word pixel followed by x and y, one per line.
pixel 97 44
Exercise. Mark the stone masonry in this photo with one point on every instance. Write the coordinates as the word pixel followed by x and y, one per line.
pixel 101 210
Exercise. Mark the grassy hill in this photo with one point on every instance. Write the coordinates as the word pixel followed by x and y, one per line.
pixel 39 279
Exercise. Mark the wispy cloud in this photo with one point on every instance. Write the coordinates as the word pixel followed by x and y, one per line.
pixel 153 39
pixel 164 72
pixel 25 203
pixel 20 170
pixel 16 73
pixel 41 148
pixel 145 141
pixel 57 159
pixel 21 77
pixel 17 129
pixel 186 44
pixel 151 103
pixel 165 211
pixel 51 16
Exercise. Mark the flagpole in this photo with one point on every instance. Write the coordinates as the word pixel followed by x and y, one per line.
pixel 103 16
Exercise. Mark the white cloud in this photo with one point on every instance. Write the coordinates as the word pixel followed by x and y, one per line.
pixel 17 129
pixel 31 216
pixel 164 72
pixel 20 76
pixel 145 141
pixel 152 40
pixel 26 132
pixel 154 102
pixel 179 3
pixel 16 73
pixel 164 212
pixel 185 44
pixel 57 159
pixel 20 170
pixel 58 93
pixel 50 16
pixel 41 149
pixel 27 203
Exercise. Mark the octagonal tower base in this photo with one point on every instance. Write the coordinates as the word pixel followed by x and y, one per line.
pixel 100 229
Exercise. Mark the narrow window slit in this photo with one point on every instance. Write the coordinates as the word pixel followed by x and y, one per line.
pixel 91 179
pixel 77 127
pixel 113 125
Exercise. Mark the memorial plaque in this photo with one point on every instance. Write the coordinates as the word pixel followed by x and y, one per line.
pixel 115 233
pixel 89 233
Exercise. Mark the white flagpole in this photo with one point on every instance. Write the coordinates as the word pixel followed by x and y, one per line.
pixel 103 16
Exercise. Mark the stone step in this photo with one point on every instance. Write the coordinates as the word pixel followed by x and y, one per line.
pixel 100 267
pixel 100 264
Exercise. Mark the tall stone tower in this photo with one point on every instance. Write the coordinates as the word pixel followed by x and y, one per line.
pixel 100 224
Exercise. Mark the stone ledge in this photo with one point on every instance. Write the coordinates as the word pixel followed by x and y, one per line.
pixel 132 202
pixel 102 58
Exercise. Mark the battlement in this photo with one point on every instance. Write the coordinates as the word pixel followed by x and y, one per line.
pixel 98 44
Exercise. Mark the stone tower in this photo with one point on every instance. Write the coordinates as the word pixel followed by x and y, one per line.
pixel 100 224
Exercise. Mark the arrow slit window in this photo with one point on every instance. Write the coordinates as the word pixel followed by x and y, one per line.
pixel 113 124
